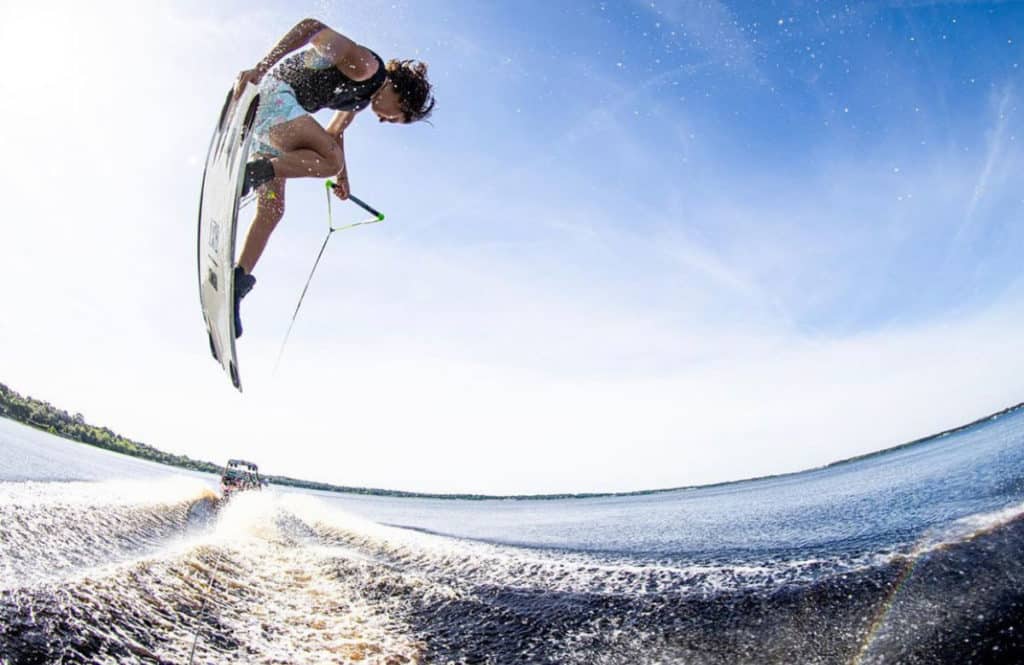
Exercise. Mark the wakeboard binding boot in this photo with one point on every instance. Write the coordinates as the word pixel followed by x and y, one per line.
pixel 243 285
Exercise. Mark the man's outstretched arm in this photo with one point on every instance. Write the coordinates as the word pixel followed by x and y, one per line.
pixel 296 38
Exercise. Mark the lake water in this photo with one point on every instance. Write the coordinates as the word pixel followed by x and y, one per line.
pixel 909 556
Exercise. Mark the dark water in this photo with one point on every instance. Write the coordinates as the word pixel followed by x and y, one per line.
pixel 914 556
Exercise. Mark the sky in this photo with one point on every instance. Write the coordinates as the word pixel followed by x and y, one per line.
pixel 641 245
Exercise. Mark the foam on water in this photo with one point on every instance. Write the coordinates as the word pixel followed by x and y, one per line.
pixel 244 581
pixel 51 530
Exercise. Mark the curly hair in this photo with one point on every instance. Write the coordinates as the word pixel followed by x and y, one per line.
pixel 409 79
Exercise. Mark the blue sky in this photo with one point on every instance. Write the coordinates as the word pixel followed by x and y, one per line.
pixel 867 131
pixel 642 245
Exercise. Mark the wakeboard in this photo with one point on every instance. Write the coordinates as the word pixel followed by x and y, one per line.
pixel 218 220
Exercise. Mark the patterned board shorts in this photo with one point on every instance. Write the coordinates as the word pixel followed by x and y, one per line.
pixel 277 104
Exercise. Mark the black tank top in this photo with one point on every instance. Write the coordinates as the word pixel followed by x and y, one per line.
pixel 318 84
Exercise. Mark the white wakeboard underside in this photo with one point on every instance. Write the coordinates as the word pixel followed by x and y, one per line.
pixel 218 219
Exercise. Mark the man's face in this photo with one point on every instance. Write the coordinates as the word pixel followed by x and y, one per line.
pixel 385 105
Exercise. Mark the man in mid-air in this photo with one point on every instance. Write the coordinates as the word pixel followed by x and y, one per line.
pixel 338 74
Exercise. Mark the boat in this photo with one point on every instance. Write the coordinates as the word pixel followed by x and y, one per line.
pixel 240 476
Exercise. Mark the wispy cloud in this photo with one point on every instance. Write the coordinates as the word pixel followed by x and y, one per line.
pixel 996 149
pixel 710 27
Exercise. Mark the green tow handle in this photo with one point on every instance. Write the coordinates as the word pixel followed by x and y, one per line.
pixel 330 184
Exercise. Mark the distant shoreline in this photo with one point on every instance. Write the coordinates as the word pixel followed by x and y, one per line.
pixel 44 416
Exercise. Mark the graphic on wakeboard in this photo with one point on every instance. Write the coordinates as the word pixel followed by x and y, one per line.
pixel 218 219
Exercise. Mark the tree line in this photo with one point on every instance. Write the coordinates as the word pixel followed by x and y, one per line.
pixel 45 416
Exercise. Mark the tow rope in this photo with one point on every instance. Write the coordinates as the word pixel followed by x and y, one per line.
pixel 376 219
